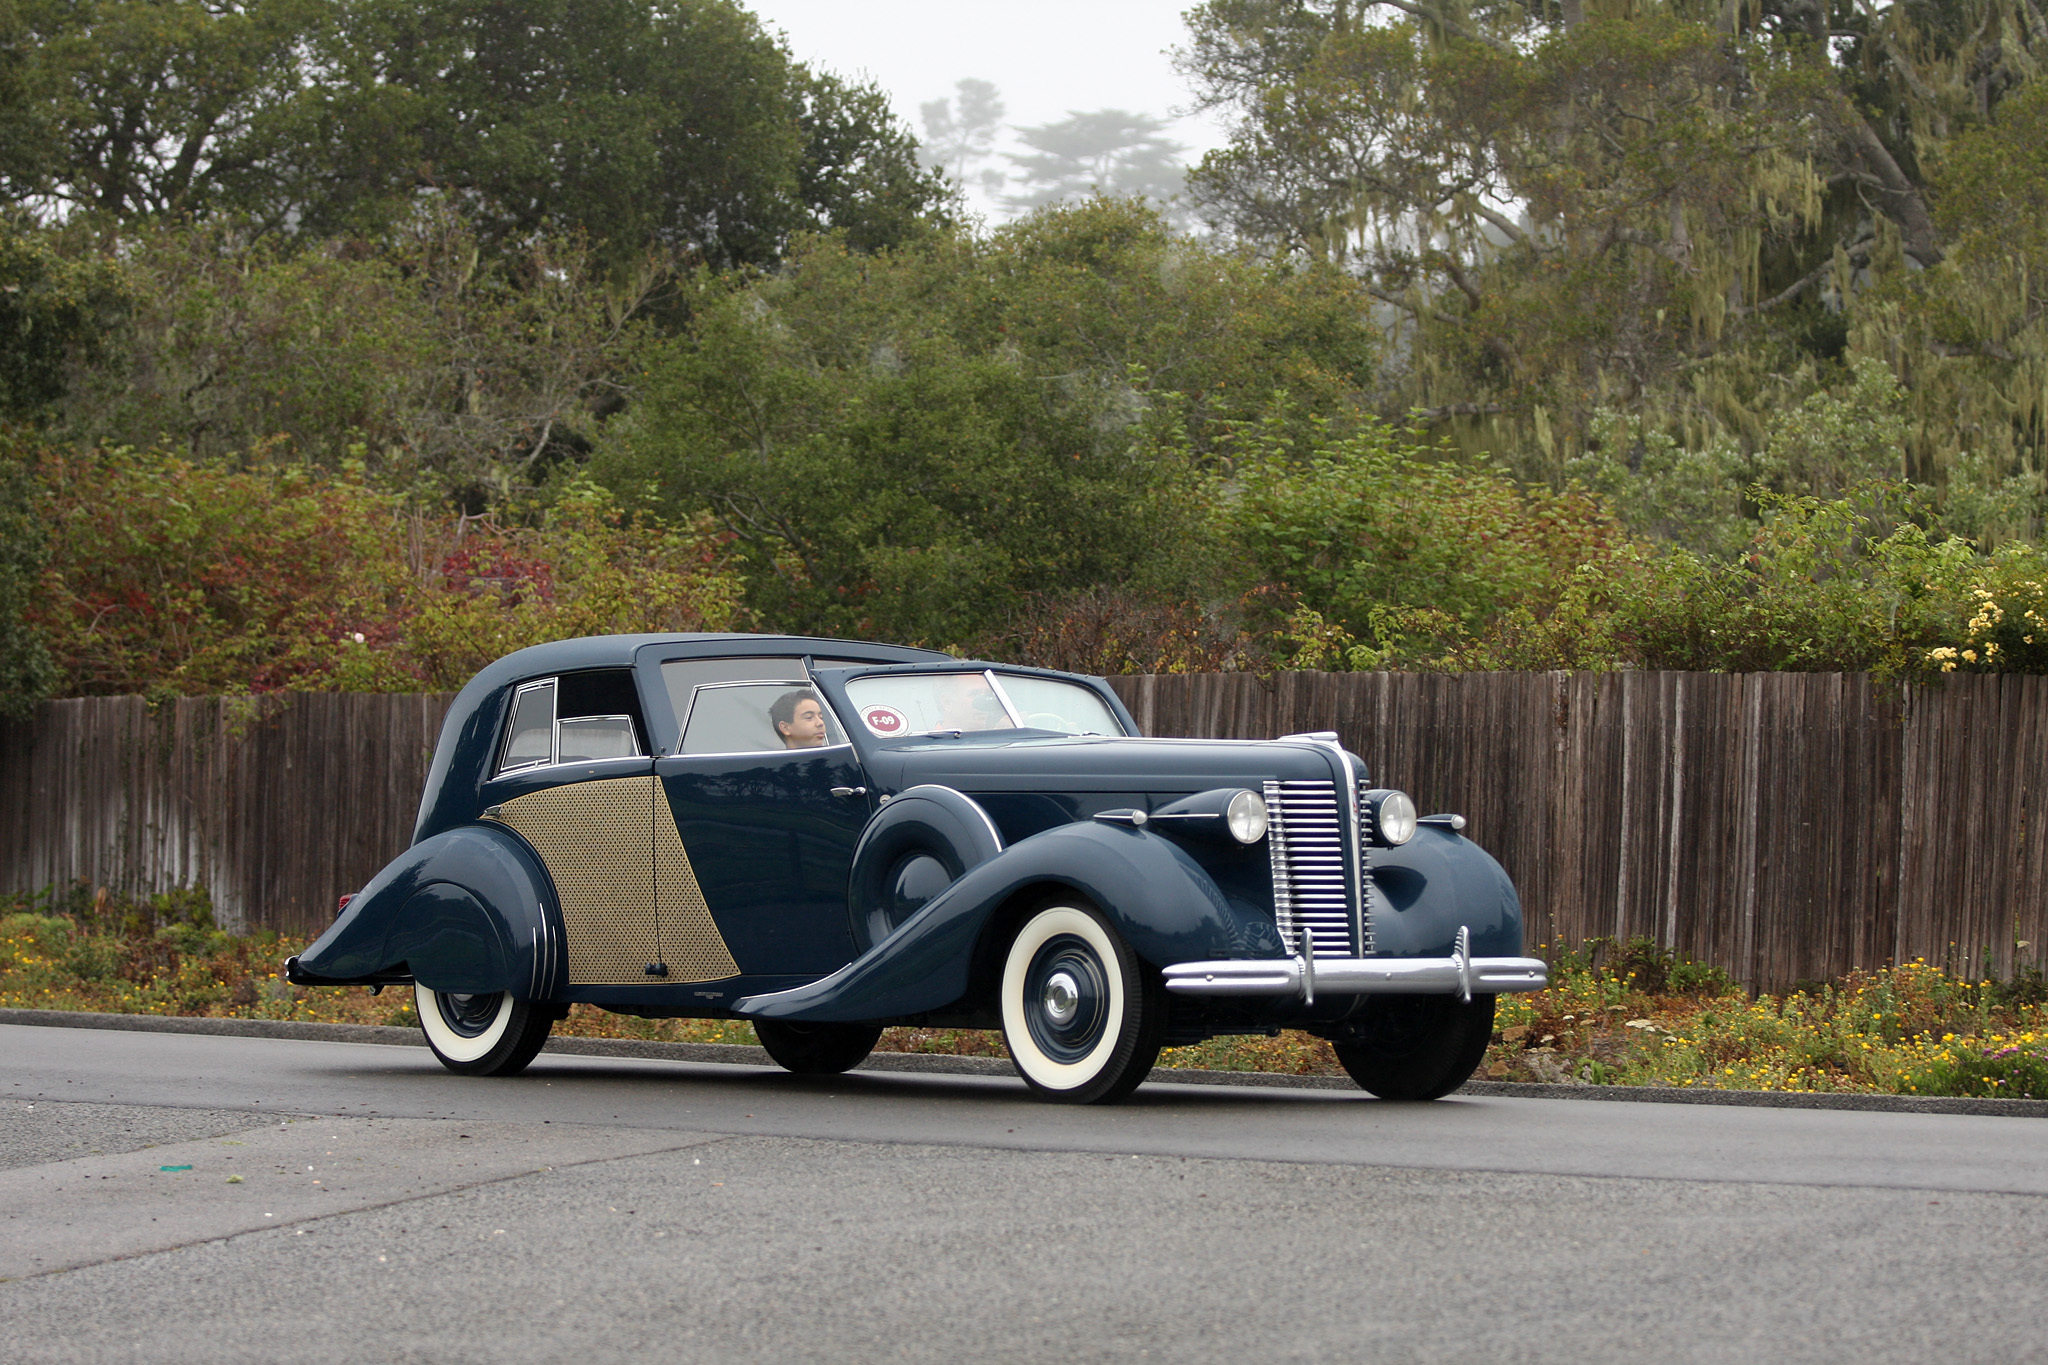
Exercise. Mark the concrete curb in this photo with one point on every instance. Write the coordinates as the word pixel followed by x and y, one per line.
pixel 734 1054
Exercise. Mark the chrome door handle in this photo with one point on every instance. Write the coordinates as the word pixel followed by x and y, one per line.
pixel 849 791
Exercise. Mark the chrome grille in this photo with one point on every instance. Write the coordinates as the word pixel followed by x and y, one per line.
pixel 1305 837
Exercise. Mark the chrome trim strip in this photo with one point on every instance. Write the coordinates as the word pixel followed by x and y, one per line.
pixel 572 763
pixel 1355 838
pixel 1452 975
pixel 1009 707
pixel 758 753
pixel 549 937
pixel 993 832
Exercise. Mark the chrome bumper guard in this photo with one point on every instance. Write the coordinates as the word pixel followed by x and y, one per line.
pixel 1460 974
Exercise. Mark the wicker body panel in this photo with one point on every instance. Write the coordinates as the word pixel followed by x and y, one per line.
pixel 629 897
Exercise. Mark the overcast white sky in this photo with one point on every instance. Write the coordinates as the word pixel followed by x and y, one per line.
pixel 1047 56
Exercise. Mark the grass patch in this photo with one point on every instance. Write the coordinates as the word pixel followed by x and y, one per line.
pixel 1616 1014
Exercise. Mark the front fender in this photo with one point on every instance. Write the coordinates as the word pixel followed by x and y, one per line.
pixel 1433 884
pixel 1162 902
pixel 470 909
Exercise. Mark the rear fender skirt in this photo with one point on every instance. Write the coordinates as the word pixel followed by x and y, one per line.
pixel 1438 882
pixel 1158 897
pixel 470 909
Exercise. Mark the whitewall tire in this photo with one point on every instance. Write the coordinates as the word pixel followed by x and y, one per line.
pixel 489 1034
pixel 1082 1016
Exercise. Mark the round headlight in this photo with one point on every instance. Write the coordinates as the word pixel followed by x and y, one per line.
pixel 1393 817
pixel 1246 817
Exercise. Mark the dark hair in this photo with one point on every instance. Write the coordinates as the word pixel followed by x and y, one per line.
pixel 784 711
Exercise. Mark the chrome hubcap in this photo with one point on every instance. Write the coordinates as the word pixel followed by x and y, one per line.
pixel 1062 997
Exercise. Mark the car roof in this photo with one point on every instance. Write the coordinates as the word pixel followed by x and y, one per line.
pixel 618 651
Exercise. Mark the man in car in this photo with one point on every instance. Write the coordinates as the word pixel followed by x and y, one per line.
pixel 799 720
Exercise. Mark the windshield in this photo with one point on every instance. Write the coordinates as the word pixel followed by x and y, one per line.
pixel 927 703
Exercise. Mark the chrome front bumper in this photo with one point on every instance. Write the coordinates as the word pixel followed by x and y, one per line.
pixel 1460 974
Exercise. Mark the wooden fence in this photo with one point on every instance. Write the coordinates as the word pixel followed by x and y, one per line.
pixel 277 806
pixel 1787 827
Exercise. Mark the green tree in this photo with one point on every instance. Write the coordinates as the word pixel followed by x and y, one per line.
pixel 1972 333
pixel 451 370
pixel 1395 550
pixel 1671 209
pixel 58 309
pixel 679 125
pixel 27 672
pixel 911 445
pixel 154 106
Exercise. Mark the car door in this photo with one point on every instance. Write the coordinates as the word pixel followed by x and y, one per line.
pixel 574 778
pixel 770 828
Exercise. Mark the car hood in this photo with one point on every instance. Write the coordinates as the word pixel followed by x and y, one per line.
pixel 1091 763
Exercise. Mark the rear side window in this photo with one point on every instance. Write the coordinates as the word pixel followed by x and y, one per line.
pixel 576 718
pixel 530 739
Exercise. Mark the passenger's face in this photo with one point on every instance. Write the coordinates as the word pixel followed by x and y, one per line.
pixel 805 730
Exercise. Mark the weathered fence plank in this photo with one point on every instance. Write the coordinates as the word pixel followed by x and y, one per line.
pixel 1787 827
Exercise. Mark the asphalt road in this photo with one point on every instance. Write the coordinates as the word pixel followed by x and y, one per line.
pixel 169 1197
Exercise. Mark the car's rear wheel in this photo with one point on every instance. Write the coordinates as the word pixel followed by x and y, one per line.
pixel 1417 1047
pixel 482 1034
pixel 1082 1015
pixel 817 1049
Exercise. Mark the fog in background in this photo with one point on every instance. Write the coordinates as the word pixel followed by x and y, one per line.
pixel 1022 104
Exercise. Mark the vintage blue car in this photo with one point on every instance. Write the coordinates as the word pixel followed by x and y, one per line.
pixel 825 838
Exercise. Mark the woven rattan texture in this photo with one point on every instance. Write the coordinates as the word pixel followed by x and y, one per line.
pixel 594 838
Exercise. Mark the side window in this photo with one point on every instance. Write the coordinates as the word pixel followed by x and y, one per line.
pixel 686 680
pixel 530 739
pixel 587 738
pixel 758 717
pixel 576 718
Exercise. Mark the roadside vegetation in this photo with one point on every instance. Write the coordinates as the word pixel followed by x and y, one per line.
pixel 369 363
pixel 1618 1014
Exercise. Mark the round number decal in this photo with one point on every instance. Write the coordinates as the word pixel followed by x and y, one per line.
pixel 886 721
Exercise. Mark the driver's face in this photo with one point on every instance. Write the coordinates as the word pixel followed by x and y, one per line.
pixel 962 699
pixel 806 729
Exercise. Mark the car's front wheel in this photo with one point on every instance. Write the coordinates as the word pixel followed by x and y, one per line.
pixel 817 1049
pixel 482 1034
pixel 1082 1015
pixel 1417 1047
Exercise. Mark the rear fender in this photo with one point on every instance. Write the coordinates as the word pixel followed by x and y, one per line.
pixel 470 909
pixel 1165 906
pixel 1435 884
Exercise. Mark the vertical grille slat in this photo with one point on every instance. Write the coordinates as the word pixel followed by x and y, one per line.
pixel 1365 867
